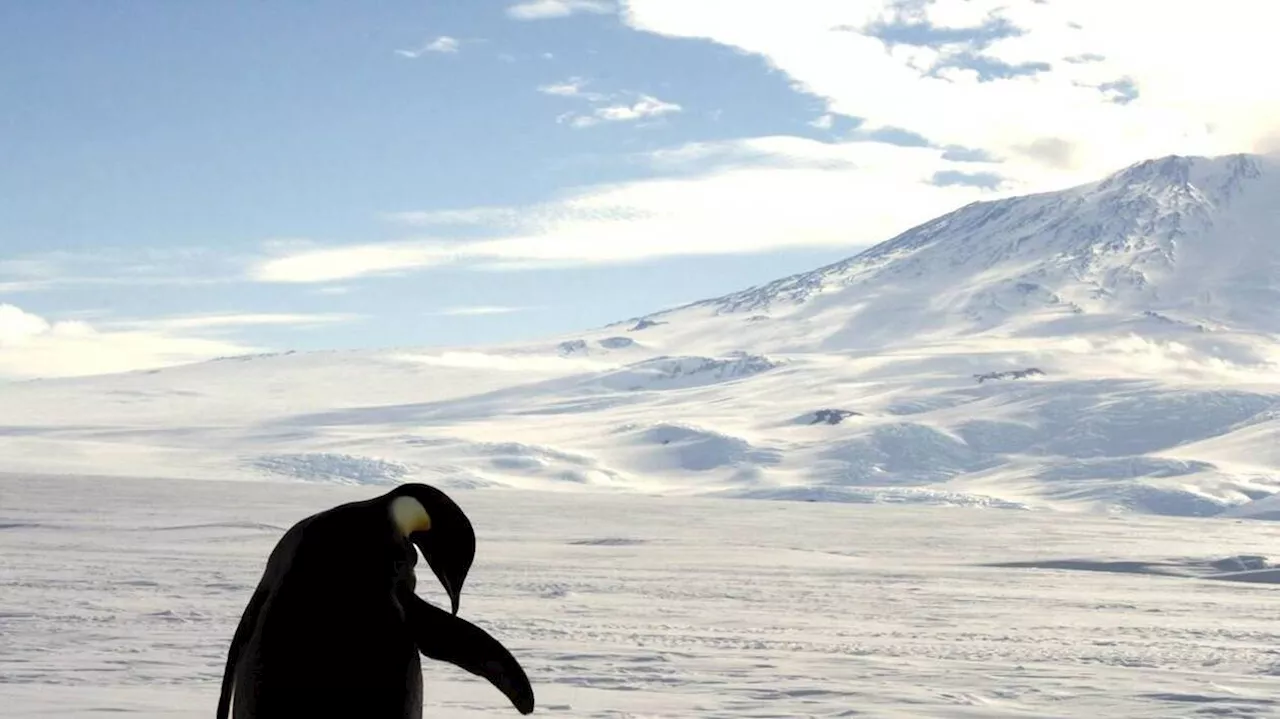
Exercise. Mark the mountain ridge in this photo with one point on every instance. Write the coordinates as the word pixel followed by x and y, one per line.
pixel 1107 347
pixel 1191 184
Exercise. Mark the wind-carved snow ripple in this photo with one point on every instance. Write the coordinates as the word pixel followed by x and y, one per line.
pixel 667 373
pixel 692 448
pixel 331 467
pixel 1142 421
pixel 541 461
pixel 898 454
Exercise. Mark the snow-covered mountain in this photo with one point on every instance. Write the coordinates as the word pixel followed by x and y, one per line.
pixel 1178 239
pixel 1112 346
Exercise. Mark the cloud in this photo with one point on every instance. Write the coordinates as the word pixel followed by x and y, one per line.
pixel 469 216
pixel 1051 151
pixel 607 107
pixel 443 44
pixel 323 265
pixel 573 87
pixel 545 9
pixel 479 310
pixel 1269 144
pixel 989 180
pixel 823 122
pixel 32 346
pixel 721 198
pixel 17 325
pixel 151 267
pixel 1062 92
pixel 645 107
pixel 228 321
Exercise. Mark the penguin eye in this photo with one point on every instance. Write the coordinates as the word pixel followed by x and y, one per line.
pixel 410 516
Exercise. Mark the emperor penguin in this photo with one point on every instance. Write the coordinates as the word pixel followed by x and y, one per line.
pixel 334 627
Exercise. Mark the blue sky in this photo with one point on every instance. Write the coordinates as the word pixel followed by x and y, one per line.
pixel 182 180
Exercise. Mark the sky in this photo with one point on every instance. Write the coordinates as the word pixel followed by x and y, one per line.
pixel 183 181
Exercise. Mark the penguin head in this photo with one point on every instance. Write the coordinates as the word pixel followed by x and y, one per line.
pixel 435 524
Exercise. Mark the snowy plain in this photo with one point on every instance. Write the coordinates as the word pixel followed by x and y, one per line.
pixel 118 597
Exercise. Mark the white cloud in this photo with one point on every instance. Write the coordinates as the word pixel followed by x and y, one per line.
pixel 32 346
pixel 17 325
pixel 544 9
pixel 824 122
pixel 1110 88
pixel 573 87
pixel 1197 69
pixel 228 321
pixel 478 310
pixel 443 44
pixel 759 195
pixel 322 265
pixel 606 107
pixel 645 107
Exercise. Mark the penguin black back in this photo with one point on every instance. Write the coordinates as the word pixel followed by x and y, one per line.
pixel 334 627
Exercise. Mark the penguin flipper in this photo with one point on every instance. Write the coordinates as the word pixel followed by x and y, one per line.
pixel 448 638
pixel 244 630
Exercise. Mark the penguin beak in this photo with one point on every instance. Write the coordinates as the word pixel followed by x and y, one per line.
pixel 439 528
pixel 449 555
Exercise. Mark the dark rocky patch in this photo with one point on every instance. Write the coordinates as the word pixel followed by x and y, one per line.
pixel 644 324
pixel 832 416
pixel 1011 374
pixel 569 347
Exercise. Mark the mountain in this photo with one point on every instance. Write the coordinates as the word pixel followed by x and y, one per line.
pixel 1191 240
pixel 1108 347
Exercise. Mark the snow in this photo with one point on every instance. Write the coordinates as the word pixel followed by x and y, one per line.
pixel 1109 348
pixel 1022 460
pixel 118 597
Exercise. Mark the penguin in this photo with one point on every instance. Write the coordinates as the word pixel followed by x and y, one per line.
pixel 334 628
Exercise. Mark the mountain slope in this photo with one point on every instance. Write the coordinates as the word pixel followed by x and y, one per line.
pixel 1107 347
pixel 1194 241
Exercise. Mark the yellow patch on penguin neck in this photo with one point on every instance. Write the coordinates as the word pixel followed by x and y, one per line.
pixel 409 515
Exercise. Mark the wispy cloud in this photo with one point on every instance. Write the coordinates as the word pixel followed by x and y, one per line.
pixel 443 44
pixel 227 321
pixel 469 216
pixel 546 9
pixel 723 198
pixel 328 264
pixel 643 108
pixel 607 107
pixel 573 87
pixel 478 310
pixel 152 267
pixel 33 346
pixel 50 283
pixel 823 122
